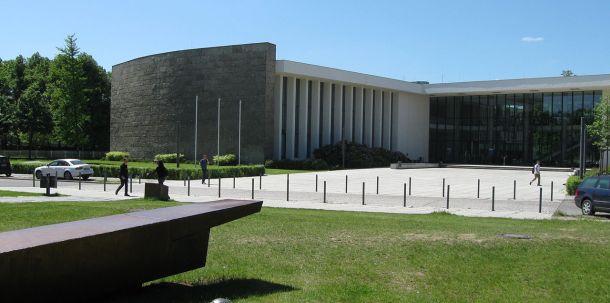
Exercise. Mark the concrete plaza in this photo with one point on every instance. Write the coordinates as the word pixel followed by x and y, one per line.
pixel 426 191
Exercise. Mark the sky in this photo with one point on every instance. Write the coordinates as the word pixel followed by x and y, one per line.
pixel 435 41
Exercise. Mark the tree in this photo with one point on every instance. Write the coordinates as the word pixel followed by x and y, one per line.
pixel 97 88
pixel 600 127
pixel 567 73
pixel 68 95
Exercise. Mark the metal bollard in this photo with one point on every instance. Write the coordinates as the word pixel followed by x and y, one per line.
pixel 493 198
pixel 233 181
pixel 287 187
pixel 478 188
pixel 552 190
pixel 540 202
pixel 324 201
pixel 346 184
pixel 377 185
pixel 316 182
pixel 252 188
pixel 105 179
pixel 188 188
pixel 363 193
pixel 404 195
pixel 219 185
pixel 183 181
pixel 443 187
pixel 139 179
pixel 33 179
pixel 448 187
pixel 130 184
pixel 260 181
pixel 209 178
pixel 409 186
pixel 79 182
pixel 49 184
pixel 514 189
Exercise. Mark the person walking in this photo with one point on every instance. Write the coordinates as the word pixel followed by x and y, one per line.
pixel 536 172
pixel 124 176
pixel 204 168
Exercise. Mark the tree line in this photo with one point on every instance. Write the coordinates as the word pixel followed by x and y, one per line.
pixel 61 102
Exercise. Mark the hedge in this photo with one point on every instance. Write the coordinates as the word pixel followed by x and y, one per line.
pixel 167 158
pixel 358 155
pixel 308 164
pixel 116 156
pixel 225 160
pixel 174 173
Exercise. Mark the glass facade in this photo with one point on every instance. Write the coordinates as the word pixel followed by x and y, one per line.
pixel 511 129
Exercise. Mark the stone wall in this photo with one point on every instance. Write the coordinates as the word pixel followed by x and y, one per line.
pixel 153 102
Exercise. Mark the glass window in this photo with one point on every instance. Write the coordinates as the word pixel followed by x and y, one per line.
pixel 557 107
pixel 567 103
pixel 604 183
pixel 54 163
pixel 589 182
pixel 588 103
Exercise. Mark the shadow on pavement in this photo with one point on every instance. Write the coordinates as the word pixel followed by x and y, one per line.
pixel 230 288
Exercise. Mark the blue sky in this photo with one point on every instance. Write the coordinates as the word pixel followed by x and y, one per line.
pixel 409 40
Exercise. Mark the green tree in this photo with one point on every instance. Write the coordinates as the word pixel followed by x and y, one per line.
pixel 567 73
pixel 68 96
pixel 34 113
pixel 97 90
pixel 599 129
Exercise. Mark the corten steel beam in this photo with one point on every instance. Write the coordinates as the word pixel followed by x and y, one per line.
pixel 94 257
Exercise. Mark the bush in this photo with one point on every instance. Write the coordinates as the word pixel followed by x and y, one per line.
pixel 358 156
pixel 225 160
pixel 116 156
pixel 169 158
pixel 174 173
pixel 308 164
pixel 572 184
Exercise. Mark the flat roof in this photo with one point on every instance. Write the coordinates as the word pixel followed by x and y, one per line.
pixel 525 85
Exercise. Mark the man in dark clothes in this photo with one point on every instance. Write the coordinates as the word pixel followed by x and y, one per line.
pixel 161 172
pixel 124 176
pixel 204 168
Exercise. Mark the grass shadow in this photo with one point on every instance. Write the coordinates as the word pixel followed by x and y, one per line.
pixel 228 288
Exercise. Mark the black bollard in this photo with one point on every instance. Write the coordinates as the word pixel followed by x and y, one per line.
pixel 219 185
pixel 34 180
pixel 139 179
pixel 363 193
pixel 183 181
pixel 316 182
pixel 252 188
pixel 551 190
pixel 324 201
pixel 105 179
pixel 79 182
pixel 209 178
pixel 409 186
pixel 233 181
pixel 540 202
pixel 49 184
pixel 493 198
pixel 287 187
pixel 346 184
pixel 130 184
pixel 514 189
pixel 443 187
pixel 378 185
pixel 260 181
pixel 448 187
pixel 188 188
pixel 404 195
pixel 478 188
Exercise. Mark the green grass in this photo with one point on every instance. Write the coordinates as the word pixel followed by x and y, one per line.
pixel 279 171
pixel 287 255
pixel 8 193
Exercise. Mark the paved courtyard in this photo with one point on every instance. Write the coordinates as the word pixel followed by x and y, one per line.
pixel 426 191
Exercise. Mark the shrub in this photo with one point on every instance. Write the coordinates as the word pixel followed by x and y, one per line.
pixel 169 158
pixel 572 184
pixel 358 155
pixel 308 164
pixel 225 160
pixel 116 156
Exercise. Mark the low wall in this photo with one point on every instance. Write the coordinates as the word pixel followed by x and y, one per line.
pixel 413 165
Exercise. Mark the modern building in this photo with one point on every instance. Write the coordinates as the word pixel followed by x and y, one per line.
pixel 289 109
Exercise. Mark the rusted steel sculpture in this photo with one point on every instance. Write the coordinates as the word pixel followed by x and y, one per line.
pixel 94 257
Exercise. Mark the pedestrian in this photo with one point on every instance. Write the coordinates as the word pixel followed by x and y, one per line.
pixel 536 172
pixel 204 168
pixel 161 172
pixel 124 176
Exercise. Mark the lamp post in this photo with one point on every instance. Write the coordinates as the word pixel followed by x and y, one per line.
pixel 239 136
pixel 196 116
pixel 218 131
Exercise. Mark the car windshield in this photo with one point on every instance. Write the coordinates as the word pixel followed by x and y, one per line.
pixel 77 162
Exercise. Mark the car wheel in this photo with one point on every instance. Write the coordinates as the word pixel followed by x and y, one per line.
pixel 67 175
pixel 587 207
pixel 38 174
pixel 8 174
pixel 85 177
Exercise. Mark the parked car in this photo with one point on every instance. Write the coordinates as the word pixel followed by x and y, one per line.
pixel 66 168
pixel 5 166
pixel 593 195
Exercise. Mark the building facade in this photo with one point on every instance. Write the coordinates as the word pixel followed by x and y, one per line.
pixel 289 109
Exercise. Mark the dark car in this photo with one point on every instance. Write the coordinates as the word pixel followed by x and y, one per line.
pixel 593 195
pixel 5 166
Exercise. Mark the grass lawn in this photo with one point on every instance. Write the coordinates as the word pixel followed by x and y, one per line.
pixel 279 171
pixel 287 255
pixel 8 193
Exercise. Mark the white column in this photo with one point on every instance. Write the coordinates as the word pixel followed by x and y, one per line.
pixel 378 117
pixel 303 118
pixel 326 117
pixel 387 119
pixel 338 113
pixel 277 117
pixel 358 107
pixel 349 113
pixel 291 96
pixel 368 117
pixel 315 116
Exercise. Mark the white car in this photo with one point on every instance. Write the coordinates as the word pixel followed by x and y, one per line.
pixel 65 168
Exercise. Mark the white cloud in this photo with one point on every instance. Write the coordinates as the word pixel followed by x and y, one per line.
pixel 532 39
